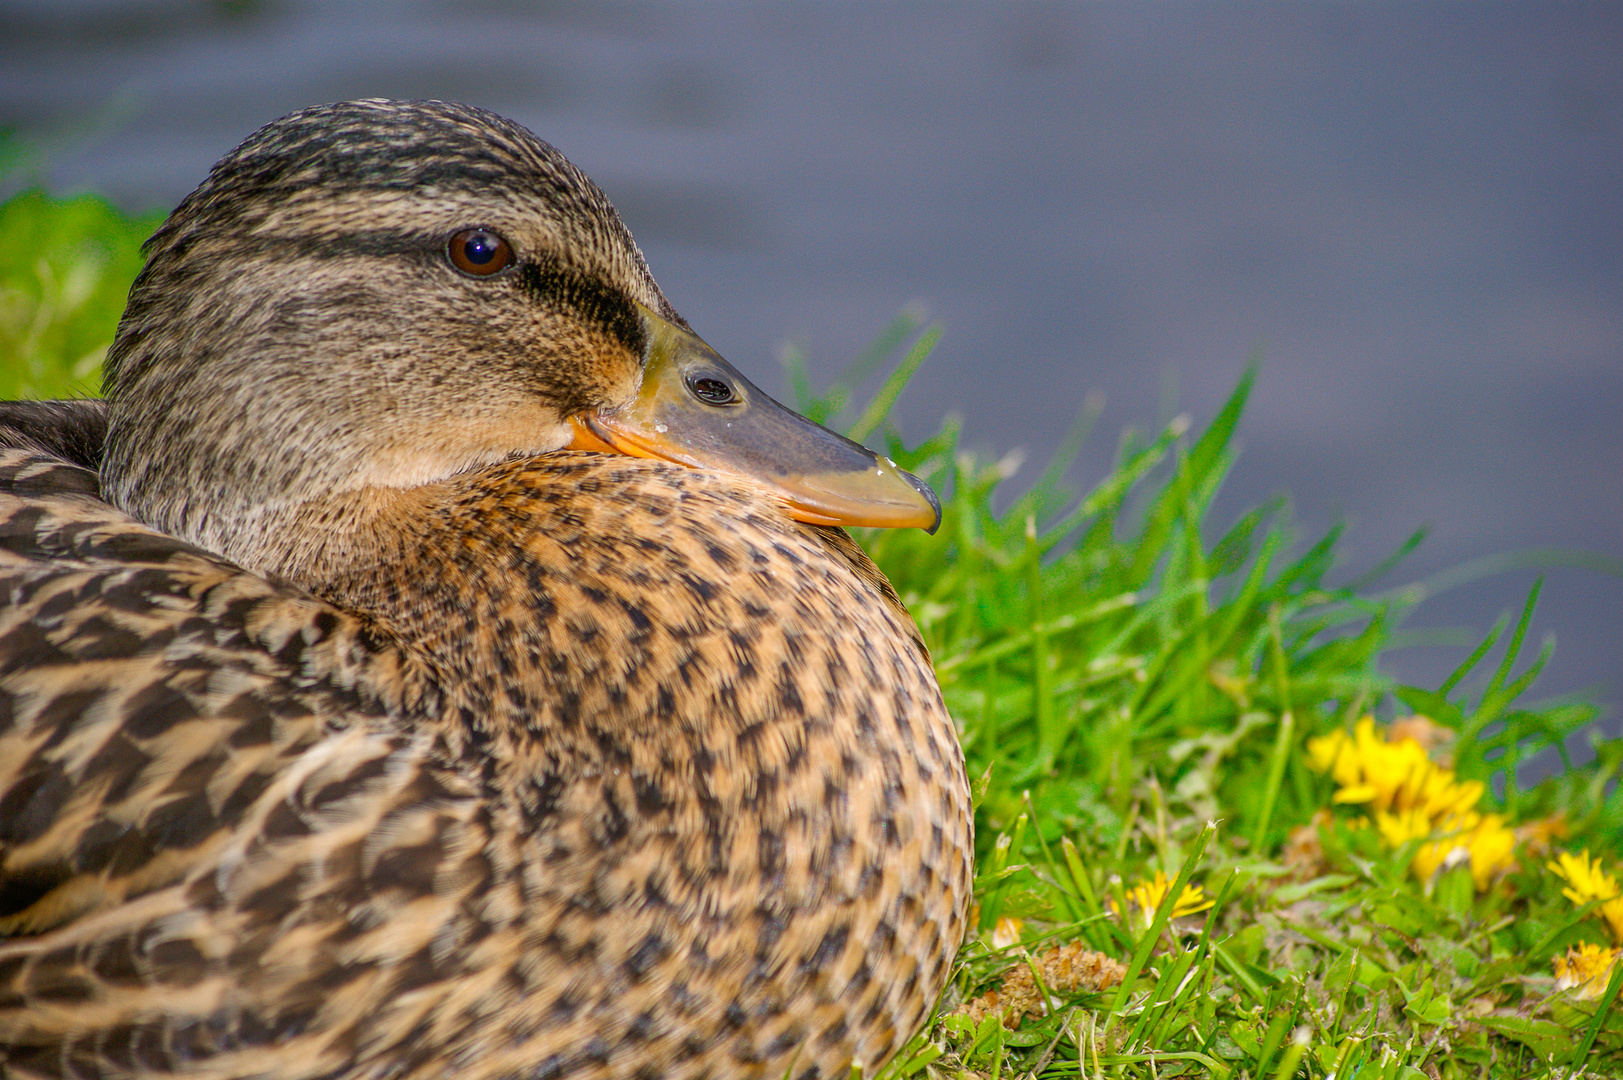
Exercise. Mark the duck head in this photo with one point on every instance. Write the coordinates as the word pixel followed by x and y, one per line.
pixel 378 295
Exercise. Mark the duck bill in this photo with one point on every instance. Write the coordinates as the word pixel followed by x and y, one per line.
pixel 695 409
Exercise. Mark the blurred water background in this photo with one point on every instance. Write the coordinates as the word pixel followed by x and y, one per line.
pixel 1414 212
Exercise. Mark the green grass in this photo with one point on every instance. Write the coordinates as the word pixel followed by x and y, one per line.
pixel 65 272
pixel 1125 671
pixel 1135 683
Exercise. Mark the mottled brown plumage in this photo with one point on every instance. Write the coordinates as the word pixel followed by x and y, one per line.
pixel 350 726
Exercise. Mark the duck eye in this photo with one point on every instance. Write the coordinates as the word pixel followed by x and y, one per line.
pixel 479 252
pixel 712 391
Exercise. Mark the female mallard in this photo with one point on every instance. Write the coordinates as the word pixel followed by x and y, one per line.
pixel 362 714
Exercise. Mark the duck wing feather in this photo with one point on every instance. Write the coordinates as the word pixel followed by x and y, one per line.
pixel 197 776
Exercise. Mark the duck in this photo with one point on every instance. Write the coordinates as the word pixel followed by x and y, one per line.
pixel 429 658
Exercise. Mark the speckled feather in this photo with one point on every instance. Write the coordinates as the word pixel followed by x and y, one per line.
pixel 561 765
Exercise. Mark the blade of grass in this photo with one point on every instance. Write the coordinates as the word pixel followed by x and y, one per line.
pixel 1163 912
pixel 880 406
pixel 1284 740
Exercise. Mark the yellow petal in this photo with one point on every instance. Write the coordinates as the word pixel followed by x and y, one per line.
pixel 1006 932
pixel 1193 899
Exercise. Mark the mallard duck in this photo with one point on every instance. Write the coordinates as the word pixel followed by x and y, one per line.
pixel 431 659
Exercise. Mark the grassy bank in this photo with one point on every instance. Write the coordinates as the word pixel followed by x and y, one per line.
pixel 1196 855
pixel 1149 696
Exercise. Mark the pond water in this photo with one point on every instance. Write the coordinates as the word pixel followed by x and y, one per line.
pixel 1414 213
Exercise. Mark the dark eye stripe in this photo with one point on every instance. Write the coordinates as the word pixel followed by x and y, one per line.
pixel 589 299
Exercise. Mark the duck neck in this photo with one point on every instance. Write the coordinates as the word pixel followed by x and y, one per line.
pixel 605 601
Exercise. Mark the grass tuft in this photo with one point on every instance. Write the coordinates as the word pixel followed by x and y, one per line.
pixel 1136 686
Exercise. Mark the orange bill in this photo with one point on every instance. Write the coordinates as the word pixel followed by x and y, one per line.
pixel 695 409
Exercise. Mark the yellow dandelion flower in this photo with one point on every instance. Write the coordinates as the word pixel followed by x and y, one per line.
pixel 1587 967
pixel 1491 846
pixel 1480 841
pixel 1389 774
pixel 1587 881
pixel 1146 896
pixel 1493 850
pixel 1412 798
